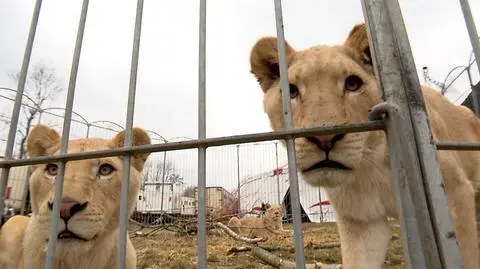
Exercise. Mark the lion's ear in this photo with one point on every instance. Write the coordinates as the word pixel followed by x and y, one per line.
pixel 358 40
pixel 42 141
pixel 264 61
pixel 139 137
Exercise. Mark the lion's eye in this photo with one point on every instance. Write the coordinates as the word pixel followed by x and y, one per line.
pixel 51 169
pixel 105 169
pixel 293 91
pixel 353 83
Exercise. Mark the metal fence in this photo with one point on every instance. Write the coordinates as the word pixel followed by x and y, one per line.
pixel 256 168
pixel 423 206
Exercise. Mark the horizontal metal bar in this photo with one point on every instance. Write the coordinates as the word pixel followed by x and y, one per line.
pixel 454 145
pixel 207 142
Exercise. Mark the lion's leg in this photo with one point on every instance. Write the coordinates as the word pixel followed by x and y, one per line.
pixel 11 241
pixel 131 255
pixel 461 198
pixel 363 244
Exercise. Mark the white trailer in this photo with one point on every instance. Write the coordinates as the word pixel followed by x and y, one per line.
pixel 189 206
pixel 150 198
pixel 17 187
pixel 217 197
pixel 272 186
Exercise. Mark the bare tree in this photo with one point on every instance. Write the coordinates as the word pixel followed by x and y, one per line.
pixel 189 192
pixel 42 87
pixel 153 172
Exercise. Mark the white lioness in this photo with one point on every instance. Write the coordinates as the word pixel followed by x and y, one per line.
pixel 336 85
pixel 268 224
pixel 88 230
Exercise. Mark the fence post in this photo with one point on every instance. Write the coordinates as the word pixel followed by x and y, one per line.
pixel 202 131
pixel 474 39
pixel 88 130
pixel 429 240
pixel 288 123
pixel 40 116
pixel 67 120
pixel 320 201
pixel 163 180
pixel 18 101
pixel 238 177
pixel 279 199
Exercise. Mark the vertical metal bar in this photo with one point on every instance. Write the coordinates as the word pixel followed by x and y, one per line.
pixel 238 175
pixel 18 101
pixel 320 201
pixel 418 178
pixel 474 39
pixel 278 176
pixel 163 179
pixel 122 244
pixel 52 242
pixel 433 182
pixel 287 112
pixel 88 131
pixel 40 113
pixel 202 151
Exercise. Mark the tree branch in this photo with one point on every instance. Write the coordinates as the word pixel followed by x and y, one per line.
pixel 278 262
pixel 235 236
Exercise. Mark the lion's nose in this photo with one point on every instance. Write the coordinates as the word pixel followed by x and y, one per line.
pixel 325 142
pixel 69 207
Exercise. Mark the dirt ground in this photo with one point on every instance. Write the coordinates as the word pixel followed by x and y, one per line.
pixel 165 249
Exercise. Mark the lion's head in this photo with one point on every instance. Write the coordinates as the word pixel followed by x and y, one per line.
pixel 274 212
pixel 329 85
pixel 90 206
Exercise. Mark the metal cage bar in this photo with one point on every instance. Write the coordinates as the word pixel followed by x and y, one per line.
pixel 475 41
pixel 127 159
pixel 202 131
pixel 18 101
pixel 288 124
pixel 424 214
pixel 52 242
pixel 457 145
pixel 207 142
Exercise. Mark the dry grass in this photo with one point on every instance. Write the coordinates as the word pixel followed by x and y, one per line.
pixel 166 249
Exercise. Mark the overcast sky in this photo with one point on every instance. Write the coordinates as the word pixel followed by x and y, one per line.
pixel 166 100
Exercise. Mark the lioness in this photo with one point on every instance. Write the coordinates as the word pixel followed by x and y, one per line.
pixel 267 224
pixel 336 85
pixel 88 229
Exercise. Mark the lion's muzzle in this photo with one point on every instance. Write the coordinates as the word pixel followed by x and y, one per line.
pixel 69 207
pixel 325 142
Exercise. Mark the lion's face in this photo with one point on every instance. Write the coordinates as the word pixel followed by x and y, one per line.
pixel 91 191
pixel 274 212
pixel 328 86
